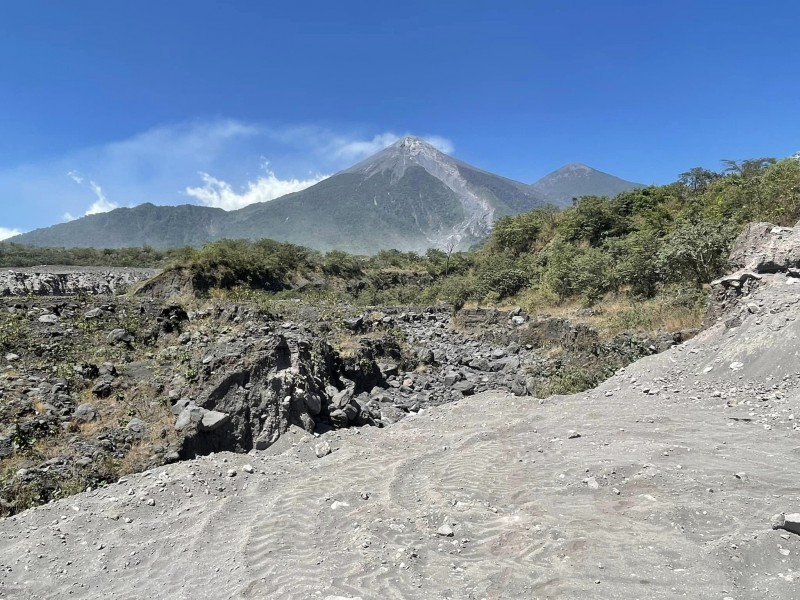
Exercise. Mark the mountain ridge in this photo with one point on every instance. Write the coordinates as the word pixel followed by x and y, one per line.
pixel 575 180
pixel 409 196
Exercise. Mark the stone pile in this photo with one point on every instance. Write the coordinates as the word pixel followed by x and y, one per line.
pixel 29 282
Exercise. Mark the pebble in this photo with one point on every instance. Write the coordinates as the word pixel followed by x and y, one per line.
pixel 445 531
pixel 322 449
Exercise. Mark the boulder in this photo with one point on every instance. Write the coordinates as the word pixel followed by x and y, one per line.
pixel 190 417
pixel 341 399
pixel 137 427
pixel 351 410
pixel 213 419
pixel 103 387
pixel 322 449
pixel 388 369
pixel 425 356
pixel 465 387
pixel 85 413
pixel 339 419
pixel 766 248
pixel 119 335
pixel 391 414
pixel 790 522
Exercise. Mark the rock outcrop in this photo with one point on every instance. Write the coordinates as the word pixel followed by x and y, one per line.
pixel 762 249
pixel 46 281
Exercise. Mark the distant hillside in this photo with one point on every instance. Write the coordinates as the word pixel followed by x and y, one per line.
pixel 143 225
pixel 409 196
pixel 576 180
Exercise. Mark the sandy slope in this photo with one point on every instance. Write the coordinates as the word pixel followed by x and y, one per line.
pixel 667 493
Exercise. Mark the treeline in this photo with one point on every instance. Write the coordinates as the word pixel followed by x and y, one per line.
pixel 643 240
pixel 18 255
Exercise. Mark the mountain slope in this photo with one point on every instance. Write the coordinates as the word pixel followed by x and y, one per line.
pixel 409 196
pixel 142 225
pixel 576 180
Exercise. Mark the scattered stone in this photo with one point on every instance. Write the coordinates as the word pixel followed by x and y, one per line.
pixel 322 449
pixel 248 469
pixel 119 336
pixel 788 522
pixel 445 531
pixel 137 427
pixel 85 413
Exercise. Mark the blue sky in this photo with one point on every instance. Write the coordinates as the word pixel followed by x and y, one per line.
pixel 106 104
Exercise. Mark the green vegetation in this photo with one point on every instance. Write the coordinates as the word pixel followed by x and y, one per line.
pixel 641 257
pixel 18 255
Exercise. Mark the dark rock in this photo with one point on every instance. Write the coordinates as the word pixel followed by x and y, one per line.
pixel 389 369
pixel 352 411
pixel 354 324
pixel 212 420
pixel 465 387
pixel 425 356
pixel 341 399
pixel 103 388
pixel 137 427
pixel 479 364
pixel 189 418
pixel 391 414
pixel 87 370
pixel 339 419
pixel 85 413
pixel 6 447
pixel 117 336
pixel 95 313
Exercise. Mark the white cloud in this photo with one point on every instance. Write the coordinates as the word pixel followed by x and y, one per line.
pixel 442 144
pixel 220 194
pixel 359 149
pixel 102 204
pixel 348 149
pixel 343 149
pixel 161 165
pixel 6 233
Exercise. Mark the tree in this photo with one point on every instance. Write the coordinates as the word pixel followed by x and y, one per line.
pixel 697 179
pixel 697 251
pixel 592 219
pixel 747 168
